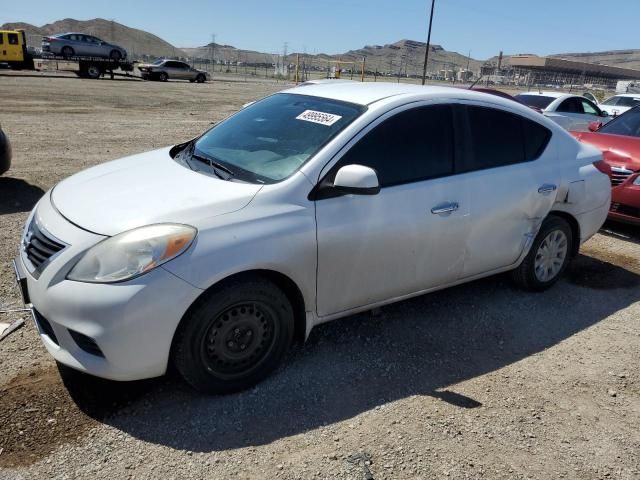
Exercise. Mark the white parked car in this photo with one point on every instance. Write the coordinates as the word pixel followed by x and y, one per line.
pixel 618 104
pixel 307 206
pixel 572 112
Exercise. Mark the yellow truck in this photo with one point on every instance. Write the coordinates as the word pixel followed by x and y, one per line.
pixel 13 49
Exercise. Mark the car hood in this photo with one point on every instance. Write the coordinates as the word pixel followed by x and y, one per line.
pixel 617 150
pixel 144 189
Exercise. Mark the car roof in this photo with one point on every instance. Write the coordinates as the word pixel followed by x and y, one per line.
pixel 549 94
pixel 370 92
pixel 629 95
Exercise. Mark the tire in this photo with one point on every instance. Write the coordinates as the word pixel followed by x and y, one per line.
pixel 163 77
pixel 115 55
pixel 67 52
pixel 200 78
pixel 93 71
pixel 234 336
pixel 548 258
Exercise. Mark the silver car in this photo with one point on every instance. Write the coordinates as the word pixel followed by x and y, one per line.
pixel 81 45
pixel 164 70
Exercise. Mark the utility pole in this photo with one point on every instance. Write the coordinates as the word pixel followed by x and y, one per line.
pixel 213 54
pixel 284 59
pixel 426 53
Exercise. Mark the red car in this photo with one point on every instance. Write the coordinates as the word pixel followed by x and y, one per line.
pixel 619 141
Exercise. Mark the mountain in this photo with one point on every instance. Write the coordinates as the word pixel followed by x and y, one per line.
pixel 406 56
pixel 137 42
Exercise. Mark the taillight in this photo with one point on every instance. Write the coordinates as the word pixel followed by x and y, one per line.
pixel 603 166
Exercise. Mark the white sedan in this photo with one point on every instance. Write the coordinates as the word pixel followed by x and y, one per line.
pixel 572 112
pixel 307 206
pixel 618 104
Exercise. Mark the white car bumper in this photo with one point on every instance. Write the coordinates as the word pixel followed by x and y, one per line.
pixel 120 331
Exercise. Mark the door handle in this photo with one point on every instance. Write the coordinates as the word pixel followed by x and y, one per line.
pixel 547 188
pixel 445 208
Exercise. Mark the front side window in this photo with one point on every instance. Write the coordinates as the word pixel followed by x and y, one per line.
pixel 411 146
pixel 589 108
pixel 271 139
pixel 12 38
pixel 499 138
pixel 627 124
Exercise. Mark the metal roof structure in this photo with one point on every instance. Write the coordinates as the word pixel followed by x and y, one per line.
pixel 572 67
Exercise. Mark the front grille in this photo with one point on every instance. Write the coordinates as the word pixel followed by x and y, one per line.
pixel 44 326
pixel 40 246
pixel 625 209
pixel 619 175
pixel 87 344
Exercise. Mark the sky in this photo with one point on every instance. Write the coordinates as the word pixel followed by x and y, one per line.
pixel 334 26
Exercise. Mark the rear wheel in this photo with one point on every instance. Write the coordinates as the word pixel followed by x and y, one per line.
pixel 93 71
pixel 67 52
pixel 234 336
pixel 200 78
pixel 548 258
pixel 163 77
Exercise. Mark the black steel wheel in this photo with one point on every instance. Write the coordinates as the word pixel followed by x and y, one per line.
pixel 234 336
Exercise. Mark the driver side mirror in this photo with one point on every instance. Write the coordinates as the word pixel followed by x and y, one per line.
pixel 604 113
pixel 357 179
pixel 594 126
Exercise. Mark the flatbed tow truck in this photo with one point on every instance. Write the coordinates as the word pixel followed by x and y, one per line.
pixel 14 52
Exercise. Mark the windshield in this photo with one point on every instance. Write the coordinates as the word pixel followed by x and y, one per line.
pixel 538 101
pixel 627 124
pixel 158 61
pixel 272 138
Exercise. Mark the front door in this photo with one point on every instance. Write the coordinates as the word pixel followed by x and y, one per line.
pixel 410 236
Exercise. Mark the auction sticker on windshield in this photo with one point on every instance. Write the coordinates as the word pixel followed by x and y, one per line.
pixel 322 118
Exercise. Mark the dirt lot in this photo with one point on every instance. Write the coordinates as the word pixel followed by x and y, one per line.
pixel 479 381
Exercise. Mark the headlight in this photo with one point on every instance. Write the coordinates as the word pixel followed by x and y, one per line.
pixel 132 253
pixel 637 180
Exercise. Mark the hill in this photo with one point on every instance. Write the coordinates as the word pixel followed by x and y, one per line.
pixel 137 42
pixel 405 56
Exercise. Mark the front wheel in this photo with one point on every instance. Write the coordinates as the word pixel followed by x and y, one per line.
pixel 234 336
pixel 115 55
pixel 548 258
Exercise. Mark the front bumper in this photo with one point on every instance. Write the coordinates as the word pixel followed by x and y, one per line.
pixel 119 331
pixel 625 203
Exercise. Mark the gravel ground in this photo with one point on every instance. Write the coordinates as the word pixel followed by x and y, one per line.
pixel 478 381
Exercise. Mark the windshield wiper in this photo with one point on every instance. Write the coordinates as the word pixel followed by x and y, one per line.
pixel 214 164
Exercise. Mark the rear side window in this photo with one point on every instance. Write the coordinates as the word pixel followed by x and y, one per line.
pixel 499 138
pixel 571 105
pixel 12 38
pixel 538 101
pixel 413 145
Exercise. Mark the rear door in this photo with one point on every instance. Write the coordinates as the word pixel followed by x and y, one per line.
pixel 408 237
pixel 513 179
pixel 579 112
